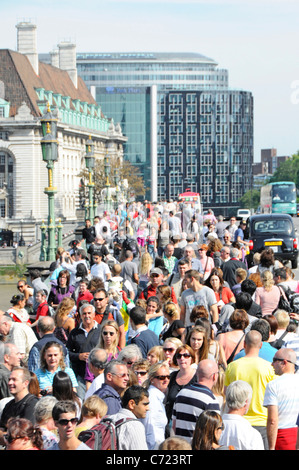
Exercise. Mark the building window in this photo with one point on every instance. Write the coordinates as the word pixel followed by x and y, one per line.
pixel 6 181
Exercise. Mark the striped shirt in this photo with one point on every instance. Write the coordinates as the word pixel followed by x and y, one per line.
pixel 189 404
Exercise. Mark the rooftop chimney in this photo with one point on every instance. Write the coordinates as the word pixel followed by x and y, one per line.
pixel 26 42
pixel 67 60
pixel 54 58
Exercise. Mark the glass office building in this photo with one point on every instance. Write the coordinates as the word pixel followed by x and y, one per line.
pixel 185 127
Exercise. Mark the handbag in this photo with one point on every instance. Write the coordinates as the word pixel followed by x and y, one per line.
pixel 283 303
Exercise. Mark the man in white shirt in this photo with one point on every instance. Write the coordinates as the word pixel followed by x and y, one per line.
pixel 282 402
pixel 238 432
pixel 100 269
pixel 131 433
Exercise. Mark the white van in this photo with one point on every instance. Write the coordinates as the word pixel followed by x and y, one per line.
pixel 243 214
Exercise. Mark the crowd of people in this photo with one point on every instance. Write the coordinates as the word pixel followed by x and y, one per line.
pixel 153 322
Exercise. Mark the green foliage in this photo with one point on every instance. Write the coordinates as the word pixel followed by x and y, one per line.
pixel 251 199
pixel 124 171
pixel 288 170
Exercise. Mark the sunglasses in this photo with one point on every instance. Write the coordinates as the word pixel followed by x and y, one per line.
pixel 65 422
pixel 140 372
pixel 168 349
pixel 154 275
pixel 185 355
pixel 110 333
pixel 99 299
pixel 162 377
pixel 275 359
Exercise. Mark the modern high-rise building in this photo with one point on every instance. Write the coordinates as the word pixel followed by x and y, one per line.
pixel 185 126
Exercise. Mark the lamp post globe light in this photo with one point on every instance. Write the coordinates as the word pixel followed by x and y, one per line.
pixel 90 163
pixel 49 146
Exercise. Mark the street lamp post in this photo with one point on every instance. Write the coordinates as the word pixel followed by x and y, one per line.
pixel 107 184
pixel 90 162
pixel 49 145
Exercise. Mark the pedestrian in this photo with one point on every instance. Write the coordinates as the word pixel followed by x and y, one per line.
pixel 143 337
pixel 9 358
pixel 23 402
pixel 237 430
pixel 51 362
pixel 44 420
pixel 157 385
pixel 282 402
pixel 116 380
pixel 64 416
pixel 19 334
pixel 197 294
pixel 97 361
pixel 93 411
pixel 46 332
pixel 257 372
pixel 23 435
pixel 81 341
pixel 193 399
pixel 131 434
pixel 208 430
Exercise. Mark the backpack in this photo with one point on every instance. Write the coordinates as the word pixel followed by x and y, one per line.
pixel 103 436
pixel 131 245
pixel 51 311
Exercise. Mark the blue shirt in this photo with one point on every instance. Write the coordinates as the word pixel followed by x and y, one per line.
pixel 45 377
pixel 266 352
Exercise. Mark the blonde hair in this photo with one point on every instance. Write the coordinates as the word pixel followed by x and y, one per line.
pixel 93 406
pixel 282 318
pixel 171 309
pixel 158 352
pixel 241 273
pixel 146 263
pixel 64 308
pixel 152 372
pixel 267 280
pixel 176 341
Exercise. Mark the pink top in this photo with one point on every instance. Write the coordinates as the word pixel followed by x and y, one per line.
pixel 229 341
pixel 268 300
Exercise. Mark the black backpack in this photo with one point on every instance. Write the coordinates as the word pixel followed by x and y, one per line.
pixel 131 245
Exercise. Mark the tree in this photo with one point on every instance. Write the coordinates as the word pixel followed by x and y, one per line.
pixel 288 170
pixel 124 171
pixel 251 199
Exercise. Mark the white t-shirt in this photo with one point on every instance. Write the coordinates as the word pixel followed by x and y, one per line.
pixel 239 433
pixel 100 270
pixel 283 392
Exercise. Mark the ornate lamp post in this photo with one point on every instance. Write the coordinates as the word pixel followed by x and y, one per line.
pixel 90 162
pixel 107 205
pixel 49 145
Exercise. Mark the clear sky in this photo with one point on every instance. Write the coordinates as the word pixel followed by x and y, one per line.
pixel 256 40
